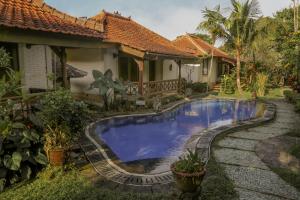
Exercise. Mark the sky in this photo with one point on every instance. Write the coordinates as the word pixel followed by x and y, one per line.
pixel 169 18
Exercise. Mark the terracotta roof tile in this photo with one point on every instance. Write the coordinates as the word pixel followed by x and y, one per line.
pixel 125 31
pixel 199 47
pixel 36 15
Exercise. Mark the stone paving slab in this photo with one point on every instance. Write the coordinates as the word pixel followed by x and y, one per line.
pixel 251 195
pixel 237 143
pixel 262 181
pixel 269 129
pixel 238 157
pixel 252 135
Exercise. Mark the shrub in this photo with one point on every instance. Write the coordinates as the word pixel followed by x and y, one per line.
pixel 60 109
pixel 191 163
pixel 261 84
pixel 170 99
pixel 291 96
pixel 228 84
pixel 198 87
pixel 297 107
pixel 21 153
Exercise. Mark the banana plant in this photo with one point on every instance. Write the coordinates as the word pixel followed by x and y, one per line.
pixel 107 86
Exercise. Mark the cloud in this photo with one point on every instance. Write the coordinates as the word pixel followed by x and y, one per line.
pixel 169 18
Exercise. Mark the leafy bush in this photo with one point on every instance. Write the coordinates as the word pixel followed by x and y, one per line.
pixel 55 184
pixel 170 99
pixel 228 84
pixel 261 84
pixel 291 96
pixel 297 107
pixel 191 163
pixel 59 109
pixel 198 87
pixel 21 151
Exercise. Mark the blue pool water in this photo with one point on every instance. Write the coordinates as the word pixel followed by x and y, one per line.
pixel 161 136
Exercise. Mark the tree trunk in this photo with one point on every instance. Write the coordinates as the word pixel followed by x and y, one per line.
pixel 238 71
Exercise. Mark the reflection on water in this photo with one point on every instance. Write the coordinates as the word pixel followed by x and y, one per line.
pixel 163 136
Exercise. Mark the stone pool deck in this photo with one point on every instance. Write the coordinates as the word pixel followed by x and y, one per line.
pixel 254 180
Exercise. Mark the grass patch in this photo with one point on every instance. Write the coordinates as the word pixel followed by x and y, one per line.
pixel 289 176
pixel 295 150
pixel 216 185
pixel 53 184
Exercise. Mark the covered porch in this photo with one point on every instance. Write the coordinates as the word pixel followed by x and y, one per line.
pixel 149 74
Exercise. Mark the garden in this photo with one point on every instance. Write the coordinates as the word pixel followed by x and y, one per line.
pixel 40 133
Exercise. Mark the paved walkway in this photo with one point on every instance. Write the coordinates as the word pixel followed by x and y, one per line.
pixel 252 178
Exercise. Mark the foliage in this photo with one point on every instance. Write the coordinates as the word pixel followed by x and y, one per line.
pixel 297 106
pixel 294 150
pixel 57 137
pixel 291 96
pixel 289 176
pixel 170 99
pixel 198 87
pixel 59 109
pixel 261 84
pixel 204 37
pixel 227 84
pixel 57 184
pixel 190 163
pixel 21 151
pixel 4 58
pixel 107 86
pixel 216 185
pixel 237 30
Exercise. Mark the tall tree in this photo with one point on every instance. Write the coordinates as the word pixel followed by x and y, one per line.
pixel 212 24
pixel 237 29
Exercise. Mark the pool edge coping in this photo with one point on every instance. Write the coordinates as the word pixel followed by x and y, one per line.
pixel 208 135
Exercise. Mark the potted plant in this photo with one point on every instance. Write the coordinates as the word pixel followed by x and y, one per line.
pixel 57 141
pixel 188 172
pixel 63 120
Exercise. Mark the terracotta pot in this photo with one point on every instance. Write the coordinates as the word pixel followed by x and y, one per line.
pixel 56 157
pixel 187 182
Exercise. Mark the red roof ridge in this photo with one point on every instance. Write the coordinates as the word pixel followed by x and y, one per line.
pixel 212 46
pixel 88 23
pixel 120 36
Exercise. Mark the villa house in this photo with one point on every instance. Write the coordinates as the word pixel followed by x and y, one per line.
pixel 50 48
pixel 201 71
pixel 137 54
pixel 37 36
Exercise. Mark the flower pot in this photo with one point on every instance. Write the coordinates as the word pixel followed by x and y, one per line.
pixel 187 182
pixel 56 157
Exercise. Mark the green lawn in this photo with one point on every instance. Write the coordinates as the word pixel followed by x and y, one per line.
pixel 54 184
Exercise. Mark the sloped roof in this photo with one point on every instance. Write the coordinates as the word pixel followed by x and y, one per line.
pixel 125 31
pixel 195 45
pixel 38 16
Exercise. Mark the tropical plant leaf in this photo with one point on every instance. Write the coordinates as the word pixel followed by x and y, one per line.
pixel 26 172
pixel 97 74
pixel 41 158
pixel 108 74
pixel 2 184
pixel 13 162
pixel 18 125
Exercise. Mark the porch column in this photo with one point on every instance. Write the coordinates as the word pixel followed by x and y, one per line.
pixel 63 61
pixel 61 53
pixel 140 63
pixel 179 75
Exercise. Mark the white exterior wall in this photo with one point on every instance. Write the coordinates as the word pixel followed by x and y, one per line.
pixel 89 60
pixel 170 74
pixel 212 73
pixel 192 71
pixel 35 66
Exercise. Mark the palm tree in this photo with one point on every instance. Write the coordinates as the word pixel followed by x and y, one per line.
pixel 237 30
pixel 212 25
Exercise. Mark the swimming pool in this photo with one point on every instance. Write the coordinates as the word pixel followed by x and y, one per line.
pixel 148 144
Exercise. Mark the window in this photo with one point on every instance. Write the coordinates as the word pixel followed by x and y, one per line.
pixel 171 67
pixel 205 67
